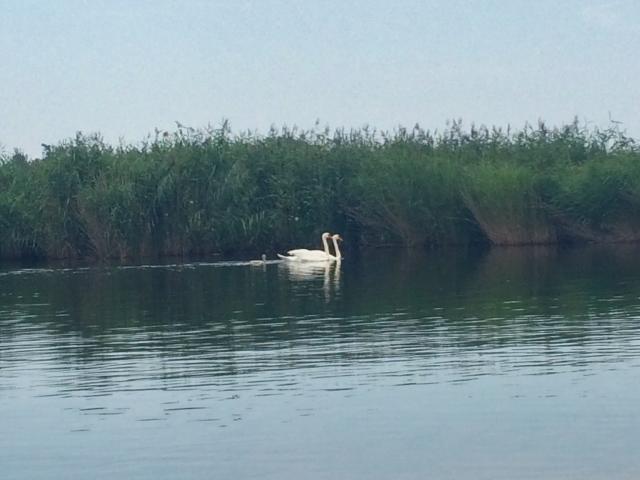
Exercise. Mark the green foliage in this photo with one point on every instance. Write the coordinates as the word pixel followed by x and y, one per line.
pixel 208 191
pixel 506 201
pixel 404 193
pixel 600 200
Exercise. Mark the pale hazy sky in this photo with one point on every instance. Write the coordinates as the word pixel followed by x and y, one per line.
pixel 123 68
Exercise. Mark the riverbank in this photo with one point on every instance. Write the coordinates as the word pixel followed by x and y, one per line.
pixel 199 192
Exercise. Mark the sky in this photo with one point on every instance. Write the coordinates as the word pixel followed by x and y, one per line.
pixel 124 68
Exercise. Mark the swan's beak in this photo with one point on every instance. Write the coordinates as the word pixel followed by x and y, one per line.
pixel 339 238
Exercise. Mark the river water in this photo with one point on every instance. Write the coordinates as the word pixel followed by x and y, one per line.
pixel 500 364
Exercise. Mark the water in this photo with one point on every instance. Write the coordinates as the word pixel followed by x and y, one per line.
pixel 511 363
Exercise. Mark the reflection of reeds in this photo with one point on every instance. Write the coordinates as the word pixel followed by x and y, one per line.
pixel 200 192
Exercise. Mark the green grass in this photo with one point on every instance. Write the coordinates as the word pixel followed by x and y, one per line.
pixel 210 191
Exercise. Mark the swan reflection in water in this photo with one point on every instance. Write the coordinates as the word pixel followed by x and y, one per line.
pixel 308 272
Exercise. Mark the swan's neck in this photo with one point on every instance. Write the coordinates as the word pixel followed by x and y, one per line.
pixel 326 245
pixel 337 249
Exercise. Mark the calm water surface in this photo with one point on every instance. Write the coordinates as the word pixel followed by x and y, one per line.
pixel 511 363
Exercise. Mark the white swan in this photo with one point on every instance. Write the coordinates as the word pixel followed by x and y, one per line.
pixel 262 261
pixel 304 255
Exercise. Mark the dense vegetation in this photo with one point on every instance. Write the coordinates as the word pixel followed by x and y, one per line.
pixel 209 191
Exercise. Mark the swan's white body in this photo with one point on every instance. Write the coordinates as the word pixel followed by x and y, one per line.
pixel 304 255
pixel 262 261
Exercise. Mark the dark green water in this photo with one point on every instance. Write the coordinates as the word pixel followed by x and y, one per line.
pixel 512 363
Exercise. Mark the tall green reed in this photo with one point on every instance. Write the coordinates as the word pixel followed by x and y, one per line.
pixel 210 191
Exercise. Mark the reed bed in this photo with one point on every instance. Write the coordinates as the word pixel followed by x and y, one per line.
pixel 211 191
